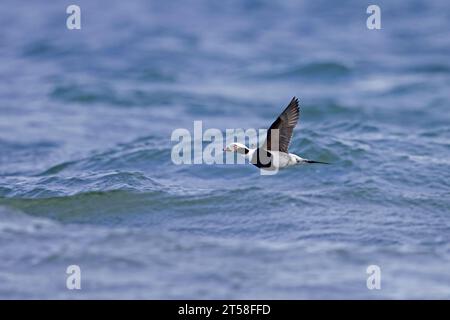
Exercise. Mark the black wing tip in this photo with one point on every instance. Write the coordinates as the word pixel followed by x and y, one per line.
pixel 294 102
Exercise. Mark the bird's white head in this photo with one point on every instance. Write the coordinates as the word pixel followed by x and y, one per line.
pixel 236 147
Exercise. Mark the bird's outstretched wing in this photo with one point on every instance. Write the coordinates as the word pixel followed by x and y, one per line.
pixel 285 123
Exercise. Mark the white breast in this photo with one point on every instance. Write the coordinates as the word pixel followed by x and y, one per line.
pixel 282 160
pixel 279 159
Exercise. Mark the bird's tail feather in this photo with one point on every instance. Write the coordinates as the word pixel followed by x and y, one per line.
pixel 312 161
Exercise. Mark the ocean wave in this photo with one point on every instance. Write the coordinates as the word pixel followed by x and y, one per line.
pixel 431 68
pixel 112 206
pixel 313 70
pixel 140 153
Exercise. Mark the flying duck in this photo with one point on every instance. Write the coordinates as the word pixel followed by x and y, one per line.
pixel 274 154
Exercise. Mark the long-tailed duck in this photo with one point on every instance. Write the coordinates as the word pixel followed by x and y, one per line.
pixel 273 154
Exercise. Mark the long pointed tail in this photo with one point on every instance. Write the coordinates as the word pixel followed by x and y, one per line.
pixel 312 161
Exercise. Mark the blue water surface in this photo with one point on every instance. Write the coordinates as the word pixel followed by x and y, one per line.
pixel 86 176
